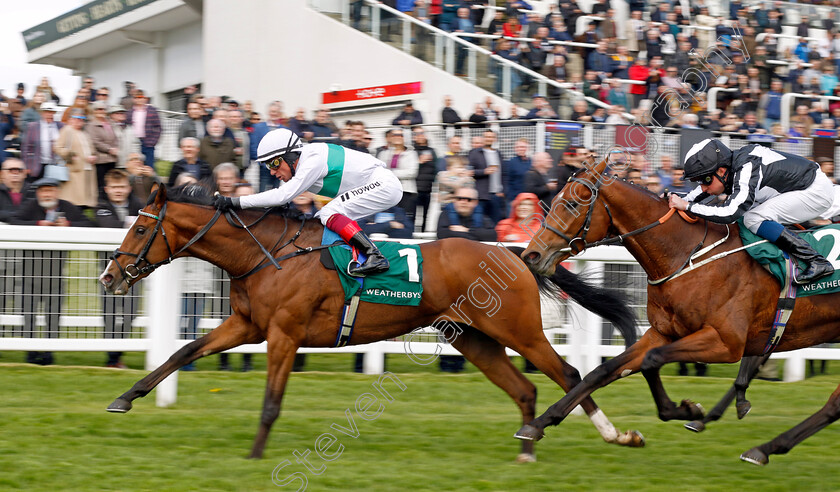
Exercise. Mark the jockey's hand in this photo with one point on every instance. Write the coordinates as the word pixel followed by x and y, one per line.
pixel 675 201
pixel 225 202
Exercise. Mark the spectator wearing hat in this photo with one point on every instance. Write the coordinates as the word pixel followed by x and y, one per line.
pixel 408 117
pixel 128 144
pixel 42 270
pixel 105 142
pixel 77 150
pixel 17 103
pixel 144 120
pixel 13 187
pixel 37 147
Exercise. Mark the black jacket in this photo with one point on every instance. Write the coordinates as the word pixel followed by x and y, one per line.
pixel 449 115
pixel 537 183
pixel 7 207
pixel 30 213
pixel 484 233
pixel 754 168
pixel 427 171
pixel 204 170
pixel 482 179
pixel 106 216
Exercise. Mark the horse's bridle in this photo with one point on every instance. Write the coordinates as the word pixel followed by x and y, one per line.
pixel 611 240
pixel 132 270
pixel 587 222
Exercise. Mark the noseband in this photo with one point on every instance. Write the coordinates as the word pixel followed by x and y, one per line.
pixel 580 235
pixel 132 270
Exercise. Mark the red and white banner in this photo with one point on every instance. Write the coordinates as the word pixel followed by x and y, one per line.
pixel 368 93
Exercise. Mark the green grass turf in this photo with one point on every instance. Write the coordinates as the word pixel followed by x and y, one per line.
pixel 444 432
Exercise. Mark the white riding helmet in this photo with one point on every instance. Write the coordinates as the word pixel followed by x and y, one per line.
pixel 277 144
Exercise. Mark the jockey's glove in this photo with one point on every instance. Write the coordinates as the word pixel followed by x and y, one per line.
pixel 225 202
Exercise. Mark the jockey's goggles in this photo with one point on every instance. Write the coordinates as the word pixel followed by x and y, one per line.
pixel 707 179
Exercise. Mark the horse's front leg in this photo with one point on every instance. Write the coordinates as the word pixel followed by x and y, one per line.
pixel 704 345
pixel 746 373
pixel 625 364
pixel 233 332
pixel 665 407
pixel 281 355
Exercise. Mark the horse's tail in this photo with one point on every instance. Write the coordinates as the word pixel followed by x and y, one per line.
pixel 603 302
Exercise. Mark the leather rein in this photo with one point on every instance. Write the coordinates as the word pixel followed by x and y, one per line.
pixel 132 270
pixel 617 239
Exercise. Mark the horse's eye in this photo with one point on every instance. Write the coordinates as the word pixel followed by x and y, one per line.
pixel 141 231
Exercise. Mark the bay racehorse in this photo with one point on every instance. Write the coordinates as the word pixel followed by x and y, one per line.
pixel 299 305
pixel 719 312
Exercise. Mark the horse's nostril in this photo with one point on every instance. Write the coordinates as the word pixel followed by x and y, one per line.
pixel 532 257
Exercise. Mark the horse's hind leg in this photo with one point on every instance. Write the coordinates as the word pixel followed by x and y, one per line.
pixel 786 441
pixel 746 373
pixel 281 356
pixel 542 355
pixel 233 332
pixel 489 356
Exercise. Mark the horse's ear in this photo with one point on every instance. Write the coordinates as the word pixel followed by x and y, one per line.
pixel 160 191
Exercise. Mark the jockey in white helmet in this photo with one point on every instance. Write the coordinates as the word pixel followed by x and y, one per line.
pixel 359 184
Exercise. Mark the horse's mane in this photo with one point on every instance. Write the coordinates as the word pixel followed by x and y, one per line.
pixel 634 185
pixel 201 193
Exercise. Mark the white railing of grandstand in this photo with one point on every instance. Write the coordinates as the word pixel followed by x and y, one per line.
pixel 451 39
pixel 711 97
pixel 162 295
pixel 787 103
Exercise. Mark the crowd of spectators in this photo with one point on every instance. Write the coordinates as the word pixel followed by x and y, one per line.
pixel 105 145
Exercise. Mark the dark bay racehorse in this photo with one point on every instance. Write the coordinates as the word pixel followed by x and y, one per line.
pixel 720 312
pixel 299 305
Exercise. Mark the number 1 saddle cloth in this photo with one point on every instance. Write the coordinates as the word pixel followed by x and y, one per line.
pixel 401 285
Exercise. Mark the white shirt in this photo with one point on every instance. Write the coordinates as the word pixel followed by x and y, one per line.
pixel 49 134
pixel 138 122
pixel 309 175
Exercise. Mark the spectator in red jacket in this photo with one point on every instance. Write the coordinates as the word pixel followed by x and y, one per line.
pixel 639 71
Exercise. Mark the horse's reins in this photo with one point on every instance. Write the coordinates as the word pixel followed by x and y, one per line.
pixel 141 257
pixel 618 239
pixel 133 271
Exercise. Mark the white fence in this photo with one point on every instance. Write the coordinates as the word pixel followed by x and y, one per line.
pixel 76 256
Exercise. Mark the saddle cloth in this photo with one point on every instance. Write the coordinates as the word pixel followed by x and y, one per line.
pixel 401 285
pixel 826 240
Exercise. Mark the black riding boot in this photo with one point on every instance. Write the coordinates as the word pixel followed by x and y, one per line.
pixel 375 261
pixel 816 267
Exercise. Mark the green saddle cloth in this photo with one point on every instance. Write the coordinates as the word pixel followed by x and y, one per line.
pixel 401 285
pixel 826 240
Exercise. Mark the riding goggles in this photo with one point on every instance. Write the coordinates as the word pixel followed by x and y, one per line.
pixel 705 180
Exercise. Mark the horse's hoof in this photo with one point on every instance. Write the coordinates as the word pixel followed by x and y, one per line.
pixel 529 433
pixel 526 458
pixel 631 439
pixel 743 409
pixel 119 406
pixel 695 426
pixel 755 456
pixel 695 410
